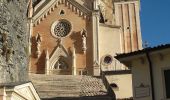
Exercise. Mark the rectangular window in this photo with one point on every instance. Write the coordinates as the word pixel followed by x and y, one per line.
pixel 167 82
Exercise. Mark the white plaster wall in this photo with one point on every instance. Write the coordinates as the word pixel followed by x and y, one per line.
pixel 109 42
pixel 124 82
pixel 140 75
pixel 160 63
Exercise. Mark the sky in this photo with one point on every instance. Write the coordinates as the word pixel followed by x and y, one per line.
pixel 155 21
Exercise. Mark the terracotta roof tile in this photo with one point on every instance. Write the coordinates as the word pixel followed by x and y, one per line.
pixel 149 49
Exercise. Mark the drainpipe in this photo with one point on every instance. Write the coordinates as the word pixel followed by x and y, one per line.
pixel 151 74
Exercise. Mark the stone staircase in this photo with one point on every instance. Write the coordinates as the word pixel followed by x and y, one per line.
pixel 68 87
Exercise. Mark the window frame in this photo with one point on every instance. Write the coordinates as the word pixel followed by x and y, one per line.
pixel 163 81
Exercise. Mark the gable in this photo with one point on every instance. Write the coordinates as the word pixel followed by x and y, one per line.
pixel 46 8
pixel 26 91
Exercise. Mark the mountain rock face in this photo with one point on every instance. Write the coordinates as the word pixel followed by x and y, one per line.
pixel 13 41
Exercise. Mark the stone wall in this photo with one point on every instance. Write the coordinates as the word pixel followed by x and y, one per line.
pixel 13 41
pixel 73 39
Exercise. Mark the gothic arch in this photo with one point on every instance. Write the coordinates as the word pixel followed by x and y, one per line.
pixel 60 60
pixel 61 63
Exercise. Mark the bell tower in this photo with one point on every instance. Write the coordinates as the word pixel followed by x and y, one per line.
pixel 119 31
pixel 127 16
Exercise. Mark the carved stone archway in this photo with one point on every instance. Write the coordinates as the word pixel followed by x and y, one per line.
pixel 59 62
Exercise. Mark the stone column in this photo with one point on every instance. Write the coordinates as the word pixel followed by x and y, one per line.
pixel 8 93
pixel 30 29
pixel 73 62
pixel 95 20
pixel 96 4
pixel 2 93
pixel 47 63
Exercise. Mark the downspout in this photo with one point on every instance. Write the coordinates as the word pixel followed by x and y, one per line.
pixel 151 74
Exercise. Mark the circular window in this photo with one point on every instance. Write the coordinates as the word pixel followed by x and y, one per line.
pixel 61 28
pixel 107 59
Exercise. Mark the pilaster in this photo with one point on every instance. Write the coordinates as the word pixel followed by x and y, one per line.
pixel 2 93
pixel 8 93
pixel 30 28
pixel 73 62
pixel 137 9
pixel 47 63
pixel 95 20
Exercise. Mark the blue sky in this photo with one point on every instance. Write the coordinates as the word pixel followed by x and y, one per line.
pixel 155 21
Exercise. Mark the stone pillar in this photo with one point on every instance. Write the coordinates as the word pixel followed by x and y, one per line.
pixel 8 93
pixel 14 54
pixel 73 62
pixel 30 29
pixel 95 20
pixel 96 4
pixel 96 69
pixel 47 63
pixel 30 26
pixel 2 93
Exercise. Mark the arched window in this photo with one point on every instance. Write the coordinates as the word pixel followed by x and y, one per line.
pixel 61 64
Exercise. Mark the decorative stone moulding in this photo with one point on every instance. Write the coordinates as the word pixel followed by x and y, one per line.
pixel 84 13
pixel 61 28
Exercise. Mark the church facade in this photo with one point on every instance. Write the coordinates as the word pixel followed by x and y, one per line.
pixel 81 37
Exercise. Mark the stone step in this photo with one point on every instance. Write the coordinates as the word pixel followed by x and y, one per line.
pixel 51 94
pixel 57 86
pixel 79 98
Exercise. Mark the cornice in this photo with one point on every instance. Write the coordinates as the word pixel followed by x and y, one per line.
pixel 46 9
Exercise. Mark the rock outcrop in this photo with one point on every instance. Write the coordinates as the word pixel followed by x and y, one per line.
pixel 13 41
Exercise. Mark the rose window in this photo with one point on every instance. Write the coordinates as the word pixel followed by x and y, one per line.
pixel 62 28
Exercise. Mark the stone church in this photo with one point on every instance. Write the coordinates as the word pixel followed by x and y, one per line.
pixel 80 37
pixel 71 46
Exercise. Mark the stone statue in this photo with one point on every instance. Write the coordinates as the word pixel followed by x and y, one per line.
pixel 84 36
pixel 60 64
pixel 38 44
